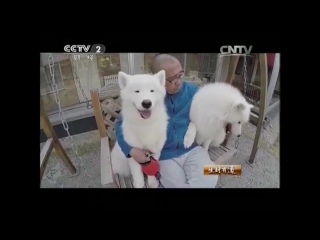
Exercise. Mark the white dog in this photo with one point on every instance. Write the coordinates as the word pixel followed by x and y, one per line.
pixel 144 123
pixel 212 108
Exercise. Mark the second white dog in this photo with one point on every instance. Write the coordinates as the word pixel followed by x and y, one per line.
pixel 212 107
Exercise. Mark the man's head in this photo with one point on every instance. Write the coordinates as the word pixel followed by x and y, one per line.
pixel 172 68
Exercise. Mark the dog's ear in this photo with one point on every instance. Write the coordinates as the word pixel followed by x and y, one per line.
pixel 161 75
pixel 240 106
pixel 123 79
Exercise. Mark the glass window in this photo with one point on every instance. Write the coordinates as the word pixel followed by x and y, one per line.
pixel 45 79
pixel 63 77
pixel 201 65
pixel 77 72
pixel 109 65
pixel 147 62
pixel 195 65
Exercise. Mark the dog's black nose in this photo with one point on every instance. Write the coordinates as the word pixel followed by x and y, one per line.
pixel 146 104
pixel 238 135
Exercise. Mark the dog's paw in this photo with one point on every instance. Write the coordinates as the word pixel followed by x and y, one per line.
pixel 153 182
pixel 215 144
pixel 188 140
pixel 138 184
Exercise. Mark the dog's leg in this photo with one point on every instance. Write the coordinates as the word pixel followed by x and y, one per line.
pixel 190 135
pixel 153 182
pixel 137 174
pixel 219 137
pixel 215 143
pixel 206 144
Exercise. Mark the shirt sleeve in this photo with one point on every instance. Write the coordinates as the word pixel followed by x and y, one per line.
pixel 125 147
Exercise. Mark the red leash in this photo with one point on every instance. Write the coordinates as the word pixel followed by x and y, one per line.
pixel 151 168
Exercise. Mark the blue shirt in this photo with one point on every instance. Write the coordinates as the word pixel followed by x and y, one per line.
pixel 178 109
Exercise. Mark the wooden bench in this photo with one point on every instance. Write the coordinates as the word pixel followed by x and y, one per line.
pixel 106 110
pixel 51 143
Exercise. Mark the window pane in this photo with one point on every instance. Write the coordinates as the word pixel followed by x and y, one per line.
pixel 147 62
pixel 180 57
pixel 142 62
pixel 201 65
pixel 198 65
pixel 64 79
pixel 109 64
pixel 77 72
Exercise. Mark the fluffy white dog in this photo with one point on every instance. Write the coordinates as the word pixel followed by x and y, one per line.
pixel 144 123
pixel 212 108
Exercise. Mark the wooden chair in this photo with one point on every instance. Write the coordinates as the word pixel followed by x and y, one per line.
pixel 106 110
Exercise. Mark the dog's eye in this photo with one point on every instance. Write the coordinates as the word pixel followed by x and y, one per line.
pixel 151 90
pixel 136 91
pixel 239 122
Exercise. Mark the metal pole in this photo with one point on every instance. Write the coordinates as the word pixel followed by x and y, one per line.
pixel 131 63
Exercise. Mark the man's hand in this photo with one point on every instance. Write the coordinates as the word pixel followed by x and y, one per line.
pixel 139 155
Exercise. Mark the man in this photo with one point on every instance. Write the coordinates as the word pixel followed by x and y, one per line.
pixel 179 167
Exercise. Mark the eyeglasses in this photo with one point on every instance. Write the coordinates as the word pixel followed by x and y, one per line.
pixel 176 77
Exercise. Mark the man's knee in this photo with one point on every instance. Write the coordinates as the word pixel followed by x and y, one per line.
pixel 209 181
pixel 200 155
pixel 172 174
pixel 194 169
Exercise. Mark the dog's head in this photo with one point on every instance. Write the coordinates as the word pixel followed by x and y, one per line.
pixel 143 91
pixel 239 114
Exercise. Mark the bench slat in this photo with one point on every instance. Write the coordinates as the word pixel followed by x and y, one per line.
pixel 109 122
pixel 220 155
pixel 44 155
pixel 106 172
pixel 107 109
pixel 215 154
pixel 220 151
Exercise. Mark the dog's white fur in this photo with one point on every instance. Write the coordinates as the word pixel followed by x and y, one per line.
pixel 148 134
pixel 212 107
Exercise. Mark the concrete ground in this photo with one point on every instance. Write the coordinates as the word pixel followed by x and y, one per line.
pixel 264 173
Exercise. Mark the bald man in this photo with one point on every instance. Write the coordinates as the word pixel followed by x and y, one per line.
pixel 179 167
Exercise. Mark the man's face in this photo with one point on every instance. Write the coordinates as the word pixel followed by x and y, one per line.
pixel 174 74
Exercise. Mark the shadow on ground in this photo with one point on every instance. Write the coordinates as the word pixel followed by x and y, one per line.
pixel 264 173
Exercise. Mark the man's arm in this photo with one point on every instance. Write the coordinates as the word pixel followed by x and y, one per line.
pixel 194 88
pixel 125 147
